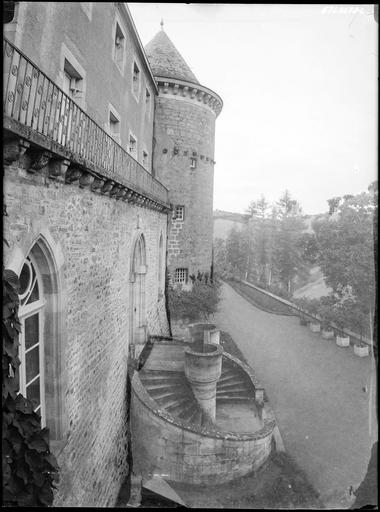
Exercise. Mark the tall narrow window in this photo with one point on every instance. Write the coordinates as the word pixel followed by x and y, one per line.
pixel 145 160
pixel 31 314
pixel 119 47
pixel 147 102
pixel 136 80
pixel 132 145
pixel 193 162
pixel 114 127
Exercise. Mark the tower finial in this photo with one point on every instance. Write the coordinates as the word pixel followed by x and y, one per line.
pixel 162 24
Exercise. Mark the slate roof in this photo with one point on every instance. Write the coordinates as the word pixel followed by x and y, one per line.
pixel 166 61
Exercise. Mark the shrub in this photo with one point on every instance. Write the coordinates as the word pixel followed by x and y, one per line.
pixel 195 304
pixel 29 469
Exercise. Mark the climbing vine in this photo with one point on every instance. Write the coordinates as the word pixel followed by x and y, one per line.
pixel 29 469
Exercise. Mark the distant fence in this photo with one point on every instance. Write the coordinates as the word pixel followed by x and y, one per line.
pixel 297 310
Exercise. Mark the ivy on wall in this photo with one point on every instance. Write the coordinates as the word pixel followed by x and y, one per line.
pixel 29 469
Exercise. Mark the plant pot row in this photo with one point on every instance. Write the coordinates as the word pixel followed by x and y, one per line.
pixel 341 341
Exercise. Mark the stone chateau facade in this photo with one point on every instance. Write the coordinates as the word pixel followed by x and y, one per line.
pixel 108 183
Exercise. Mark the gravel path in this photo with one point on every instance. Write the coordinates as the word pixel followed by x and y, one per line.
pixel 315 389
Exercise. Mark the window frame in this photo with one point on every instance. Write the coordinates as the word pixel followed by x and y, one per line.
pixel 181 275
pixel 119 60
pixel 133 152
pixel 114 113
pixel 182 217
pixel 135 93
pixel 27 311
pixel 70 66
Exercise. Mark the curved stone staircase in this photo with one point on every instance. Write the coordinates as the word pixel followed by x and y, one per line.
pixel 172 391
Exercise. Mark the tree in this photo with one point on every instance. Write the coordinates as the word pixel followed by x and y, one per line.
pixel 333 204
pixel 259 208
pixel 237 252
pixel 287 252
pixel 346 250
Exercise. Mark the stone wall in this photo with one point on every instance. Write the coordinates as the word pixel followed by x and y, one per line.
pixel 90 238
pixel 183 127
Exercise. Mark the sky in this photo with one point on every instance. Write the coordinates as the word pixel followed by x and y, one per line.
pixel 299 87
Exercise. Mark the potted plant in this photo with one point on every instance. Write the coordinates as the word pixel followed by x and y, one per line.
pixel 341 316
pixel 358 320
pixel 312 308
pixel 326 314
pixel 303 319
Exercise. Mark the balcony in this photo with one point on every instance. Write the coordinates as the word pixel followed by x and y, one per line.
pixel 39 112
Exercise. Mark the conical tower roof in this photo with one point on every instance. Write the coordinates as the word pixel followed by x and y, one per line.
pixel 166 61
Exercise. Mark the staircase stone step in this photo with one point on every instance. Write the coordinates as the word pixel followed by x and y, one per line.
pixel 168 402
pixel 181 405
pixel 233 397
pixel 232 384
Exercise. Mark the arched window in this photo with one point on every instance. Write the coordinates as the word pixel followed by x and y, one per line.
pixel 42 373
pixel 31 352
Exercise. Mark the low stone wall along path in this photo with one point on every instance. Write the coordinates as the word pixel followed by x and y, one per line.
pixel 322 395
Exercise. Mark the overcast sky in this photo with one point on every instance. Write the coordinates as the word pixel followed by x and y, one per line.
pixel 299 86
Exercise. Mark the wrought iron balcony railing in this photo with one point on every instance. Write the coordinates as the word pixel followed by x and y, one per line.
pixel 32 99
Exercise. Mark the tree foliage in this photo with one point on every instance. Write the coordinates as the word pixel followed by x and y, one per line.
pixel 346 248
pixel 29 469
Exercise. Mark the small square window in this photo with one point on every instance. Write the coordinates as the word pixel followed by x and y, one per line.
pixel 119 45
pixel 136 80
pixel 179 213
pixel 181 275
pixel 193 162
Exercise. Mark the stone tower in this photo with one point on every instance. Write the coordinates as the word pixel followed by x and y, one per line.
pixel 183 157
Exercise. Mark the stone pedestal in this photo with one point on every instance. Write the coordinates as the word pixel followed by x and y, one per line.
pixel 197 332
pixel 203 367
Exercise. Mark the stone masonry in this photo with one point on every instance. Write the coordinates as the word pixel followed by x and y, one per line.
pixel 94 236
